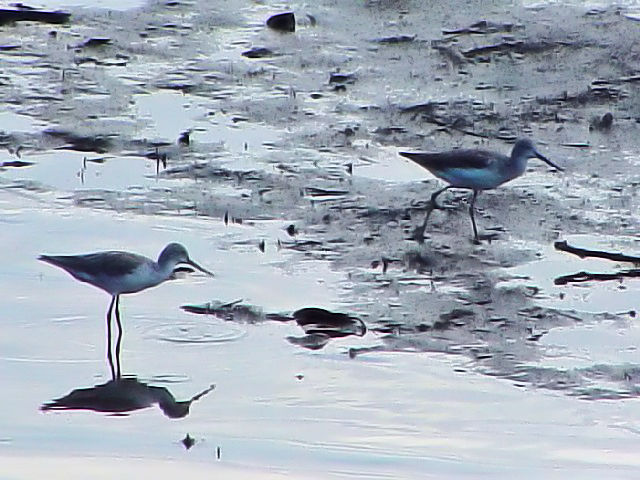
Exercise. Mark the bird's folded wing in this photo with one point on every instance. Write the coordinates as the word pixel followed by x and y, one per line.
pixel 453 159
pixel 105 263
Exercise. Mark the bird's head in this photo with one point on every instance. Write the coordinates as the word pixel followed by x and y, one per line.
pixel 524 149
pixel 175 254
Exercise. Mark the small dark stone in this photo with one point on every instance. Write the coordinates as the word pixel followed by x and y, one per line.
pixel 184 139
pixel 603 123
pixel 338 77
pixel 607 120
pixel 257 52
pixel 283 22
pixel 188 441
pixel 350 168
pixel 96 42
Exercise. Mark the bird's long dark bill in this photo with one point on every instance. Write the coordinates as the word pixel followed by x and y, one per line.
pixel 549 162
pixel 195 265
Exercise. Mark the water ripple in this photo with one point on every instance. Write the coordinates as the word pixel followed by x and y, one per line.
pixel 196 332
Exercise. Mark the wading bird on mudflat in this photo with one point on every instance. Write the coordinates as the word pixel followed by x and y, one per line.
pixel 119 273
pixel 475 170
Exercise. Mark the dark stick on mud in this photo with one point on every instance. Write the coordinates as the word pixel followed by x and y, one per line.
pixel 588 276
pixel 27 14
pixel 583 252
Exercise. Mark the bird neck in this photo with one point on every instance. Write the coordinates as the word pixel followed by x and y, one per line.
pixel 165 269
pixel 516 166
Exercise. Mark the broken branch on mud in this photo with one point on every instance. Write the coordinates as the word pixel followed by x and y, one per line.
pixel 583 252
pixel 587 276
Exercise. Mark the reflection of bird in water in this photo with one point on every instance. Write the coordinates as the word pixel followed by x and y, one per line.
pixel 123 395
pixel 122 272
pixel 475 170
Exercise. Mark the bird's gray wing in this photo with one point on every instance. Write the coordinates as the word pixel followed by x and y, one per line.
pixel 452 159
pixel 105 263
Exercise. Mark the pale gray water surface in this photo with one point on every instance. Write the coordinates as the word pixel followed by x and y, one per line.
pixel 475 363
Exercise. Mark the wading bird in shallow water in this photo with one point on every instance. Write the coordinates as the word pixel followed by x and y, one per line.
pixel 122 272
pixel 475 170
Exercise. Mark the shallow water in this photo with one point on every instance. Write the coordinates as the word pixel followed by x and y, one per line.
pixel 474 363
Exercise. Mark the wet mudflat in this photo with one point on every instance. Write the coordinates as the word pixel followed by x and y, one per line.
pixel 273 157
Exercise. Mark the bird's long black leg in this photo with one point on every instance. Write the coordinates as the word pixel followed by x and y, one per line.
pixel 473 220
pixel 119 335
pixel 418 233
pixel 434 195
pixel 109 357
